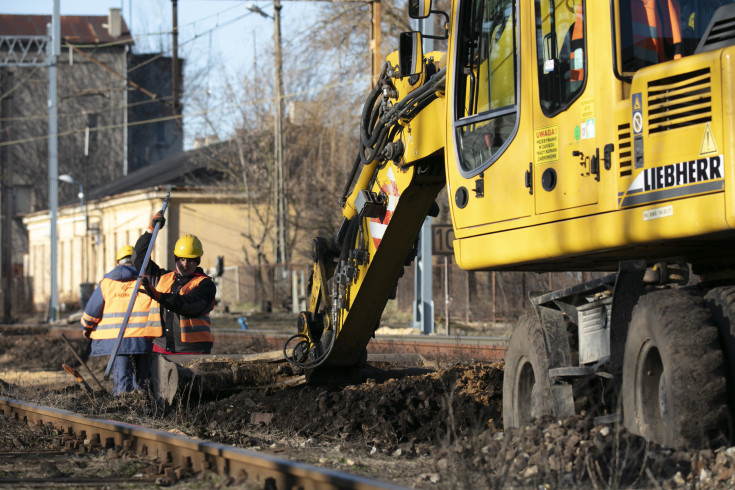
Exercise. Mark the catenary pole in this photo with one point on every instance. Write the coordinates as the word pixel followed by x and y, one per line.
pixel 53 158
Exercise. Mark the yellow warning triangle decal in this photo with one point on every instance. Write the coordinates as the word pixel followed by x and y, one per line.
pixel 636 103
pixel 708 142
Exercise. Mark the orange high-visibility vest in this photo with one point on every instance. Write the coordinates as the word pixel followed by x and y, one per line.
pixel 649 30
pixel 193 329
pixel 117 300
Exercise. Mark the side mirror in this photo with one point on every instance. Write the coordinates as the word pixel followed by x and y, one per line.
pixel 419 9
pixel 410 54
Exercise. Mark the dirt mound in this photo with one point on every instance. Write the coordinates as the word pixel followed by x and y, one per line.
pixel 571 453
pixel 428 408
pixel 28 348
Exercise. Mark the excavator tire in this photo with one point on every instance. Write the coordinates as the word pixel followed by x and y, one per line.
pixel 526 389
pixel 721 303
pixel 674 388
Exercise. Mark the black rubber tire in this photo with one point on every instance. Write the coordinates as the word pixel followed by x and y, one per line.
pixel 526 390
pixel 674 388
pixel 721 303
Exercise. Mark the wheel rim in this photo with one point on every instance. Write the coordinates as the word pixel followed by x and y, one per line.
pixel 651 393
pixel 525 382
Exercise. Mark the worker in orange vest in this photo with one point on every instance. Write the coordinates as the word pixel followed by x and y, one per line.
pixel 104 315
pixel 182 298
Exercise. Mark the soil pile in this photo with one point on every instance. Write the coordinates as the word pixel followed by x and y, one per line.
pixel 406 409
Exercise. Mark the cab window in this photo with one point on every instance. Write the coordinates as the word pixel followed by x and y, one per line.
pixel 486 79
pixel 560 52
pixel 655 31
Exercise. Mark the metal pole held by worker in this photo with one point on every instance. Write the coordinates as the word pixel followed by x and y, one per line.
pixel 120 334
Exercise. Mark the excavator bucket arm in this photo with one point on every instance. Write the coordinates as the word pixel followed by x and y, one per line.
pixel 400 175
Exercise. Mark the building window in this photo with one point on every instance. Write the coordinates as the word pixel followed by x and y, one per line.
pixel 160 134
pixel 92 123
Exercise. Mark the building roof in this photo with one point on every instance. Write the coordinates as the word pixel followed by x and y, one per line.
pixel 75 29
pixel 182 169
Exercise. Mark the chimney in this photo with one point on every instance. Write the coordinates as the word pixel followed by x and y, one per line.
pixel 114 22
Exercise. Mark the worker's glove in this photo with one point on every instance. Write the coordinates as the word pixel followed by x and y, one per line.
pixel 87 333
pixel 149 290
pixel 157 218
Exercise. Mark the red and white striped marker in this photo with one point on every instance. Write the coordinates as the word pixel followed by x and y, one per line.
pixel 377 226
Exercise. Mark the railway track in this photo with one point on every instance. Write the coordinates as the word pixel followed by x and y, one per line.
pixel 179 455
pixel 435 346
pixel 481 348
pixel 438 347
pixel 484 348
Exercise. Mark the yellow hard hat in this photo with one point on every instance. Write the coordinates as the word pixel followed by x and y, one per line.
pixel 189 247
pixel 125 251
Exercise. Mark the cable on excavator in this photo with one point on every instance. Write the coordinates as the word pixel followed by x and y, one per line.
pixel 376 130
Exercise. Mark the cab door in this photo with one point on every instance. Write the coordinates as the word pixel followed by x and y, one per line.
pixel 566 163
pixel 487 163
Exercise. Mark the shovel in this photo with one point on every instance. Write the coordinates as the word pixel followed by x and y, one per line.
pixel 78 377
pixel 81 361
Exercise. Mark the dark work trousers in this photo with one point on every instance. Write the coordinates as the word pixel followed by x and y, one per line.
pixel 131 372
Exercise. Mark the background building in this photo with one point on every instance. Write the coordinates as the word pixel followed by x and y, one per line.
pixel 200 203
pixel 105 96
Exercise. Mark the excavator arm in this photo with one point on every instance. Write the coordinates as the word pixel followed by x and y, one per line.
pixel 391 189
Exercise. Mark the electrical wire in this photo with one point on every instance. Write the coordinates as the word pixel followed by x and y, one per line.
pixel 158 99
pixel 73 114
pixel 127 41
pixel 227 107
pixel 163 33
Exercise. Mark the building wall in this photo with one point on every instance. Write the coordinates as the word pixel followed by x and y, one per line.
pixel 88 96
pixel 217 219
pixel 151 142
pixel 91 94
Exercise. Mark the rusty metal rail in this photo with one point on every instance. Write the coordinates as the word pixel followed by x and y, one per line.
pixel 478 348
pixel 188 454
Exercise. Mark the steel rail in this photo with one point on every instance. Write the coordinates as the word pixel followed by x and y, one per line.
pixel 479 348
pixel 187 453
pixel 471 347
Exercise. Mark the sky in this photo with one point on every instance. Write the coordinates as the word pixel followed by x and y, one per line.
pixel 215 33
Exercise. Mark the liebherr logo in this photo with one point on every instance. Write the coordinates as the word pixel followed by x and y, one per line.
pixel 675 180
pixel 682 173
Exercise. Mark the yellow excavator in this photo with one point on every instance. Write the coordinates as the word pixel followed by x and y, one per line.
pixel 584 135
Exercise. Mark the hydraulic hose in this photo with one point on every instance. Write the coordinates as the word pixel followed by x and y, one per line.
pixel 370 103
pixel 374 131
pixel 350 180
pixel 406 108
pixel 349 238
pixel 364 124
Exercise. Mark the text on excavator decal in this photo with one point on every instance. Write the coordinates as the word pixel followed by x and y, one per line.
pixel 675 180
pixel 546 144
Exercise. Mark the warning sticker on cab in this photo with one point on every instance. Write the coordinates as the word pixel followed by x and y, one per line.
pixel 546 144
